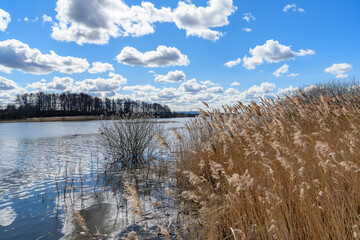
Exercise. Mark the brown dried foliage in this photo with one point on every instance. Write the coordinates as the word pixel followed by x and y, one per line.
pixel 285 169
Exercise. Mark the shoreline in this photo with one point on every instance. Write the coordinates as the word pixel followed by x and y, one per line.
pixel 63 119
pixel 53 119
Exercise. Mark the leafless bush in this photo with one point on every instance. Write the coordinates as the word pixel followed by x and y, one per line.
pixel 131 140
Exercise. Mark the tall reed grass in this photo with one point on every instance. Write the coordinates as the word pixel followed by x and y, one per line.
pixel 280 169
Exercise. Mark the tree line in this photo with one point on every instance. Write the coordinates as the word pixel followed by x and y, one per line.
pixel 42 104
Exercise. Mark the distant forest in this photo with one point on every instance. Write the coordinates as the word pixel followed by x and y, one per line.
pixel 76 104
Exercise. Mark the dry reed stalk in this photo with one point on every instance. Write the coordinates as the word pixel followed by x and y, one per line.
pixel 133 199
pixel 132 236
pixel 78 219
pixel 164 232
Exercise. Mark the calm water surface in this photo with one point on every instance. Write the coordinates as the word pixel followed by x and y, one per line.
pixel 53 176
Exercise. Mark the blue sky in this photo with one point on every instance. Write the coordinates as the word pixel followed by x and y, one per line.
pixel 176 53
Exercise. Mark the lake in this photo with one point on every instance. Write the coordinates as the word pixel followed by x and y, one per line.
pixel 54 176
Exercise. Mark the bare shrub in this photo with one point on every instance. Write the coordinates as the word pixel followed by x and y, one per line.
pixel 131 140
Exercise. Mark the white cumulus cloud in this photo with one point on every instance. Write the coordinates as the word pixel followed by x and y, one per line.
pixel 208 83
pixel 97 21
pixel 58 84
pixel 272 52
pixel 263 90
pixel 6 84
pixel 100 67
pixel 171 77
pixel 105 87
pixel 46 18
pixel 302 52
pixel 339 69
pixel 287 91
pixel 232 91
pixel 341 75
pixel 281 70
pixel 248 17
pixel 293 74
pixel 167 94
pixel 198 21
pixel 35 19
pixel 143 88
pixel 111 84
pixel 4 20
pixel 192 86
pixel 247 29
pixel 15 55
pixel 8 90
pixel 163 56
pixel 233 63
pixel 215 90
pixel 235 84
pixel 292 7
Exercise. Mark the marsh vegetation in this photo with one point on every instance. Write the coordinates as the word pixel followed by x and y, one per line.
pixel 280 169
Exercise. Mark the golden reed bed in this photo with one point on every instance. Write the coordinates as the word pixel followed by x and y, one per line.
pixel 284 169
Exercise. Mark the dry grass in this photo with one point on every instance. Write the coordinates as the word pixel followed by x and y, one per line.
pixel 286 169
pixel 133 200
pixel 132 236
pixel 79 219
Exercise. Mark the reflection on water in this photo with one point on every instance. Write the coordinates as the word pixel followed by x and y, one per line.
pixel 7 216
pixel 55 183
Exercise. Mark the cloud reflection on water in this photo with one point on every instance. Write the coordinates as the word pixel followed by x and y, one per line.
pixel 7 216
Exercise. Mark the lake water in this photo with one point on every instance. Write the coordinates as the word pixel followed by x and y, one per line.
pixel 54 178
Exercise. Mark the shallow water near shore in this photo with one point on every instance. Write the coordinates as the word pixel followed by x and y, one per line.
pixel 54 176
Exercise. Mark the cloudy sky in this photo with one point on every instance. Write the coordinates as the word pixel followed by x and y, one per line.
pixel 177 53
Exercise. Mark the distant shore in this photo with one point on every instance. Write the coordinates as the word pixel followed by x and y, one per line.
pixel 53 119
pixel 65 119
